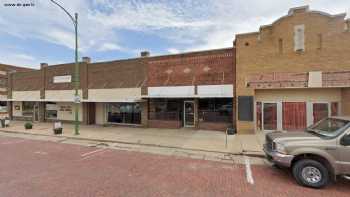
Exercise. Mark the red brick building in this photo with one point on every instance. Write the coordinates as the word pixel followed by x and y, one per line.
pixel 192 90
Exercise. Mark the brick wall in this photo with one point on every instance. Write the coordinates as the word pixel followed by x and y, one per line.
pixel 259 52
pixel 198 68
pixel 117 74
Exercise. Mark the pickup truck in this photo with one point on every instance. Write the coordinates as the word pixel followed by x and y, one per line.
pixel 316 156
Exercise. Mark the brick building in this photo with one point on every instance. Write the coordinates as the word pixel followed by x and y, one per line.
pixel 4 71
pixel 191 90
pixel 131 92
pixel 286 76
pixel 293 72
pixel 110 92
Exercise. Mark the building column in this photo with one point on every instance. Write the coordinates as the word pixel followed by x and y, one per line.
pixel 144 113
pixel 85 113
pixel 9 109
pixel 196 114
pixel 42 111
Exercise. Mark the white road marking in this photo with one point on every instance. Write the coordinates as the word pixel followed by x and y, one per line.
pixel 95 154
pixel 13 142
pixel 40 153
pixel 92 152
pixel 248 170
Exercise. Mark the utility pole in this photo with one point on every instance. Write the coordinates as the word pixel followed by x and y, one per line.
pixel 76 77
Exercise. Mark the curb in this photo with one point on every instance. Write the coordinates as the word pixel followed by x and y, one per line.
pixel 243 153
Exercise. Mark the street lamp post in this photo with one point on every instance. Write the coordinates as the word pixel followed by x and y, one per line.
pixel 76 77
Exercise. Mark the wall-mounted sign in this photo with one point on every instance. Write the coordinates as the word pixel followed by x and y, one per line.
pixel 62 79
pixel 77 99
pixel 66 108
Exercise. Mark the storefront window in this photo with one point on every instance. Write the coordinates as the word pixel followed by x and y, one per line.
pixel 3 106
pixel 165 109
pixel 51 110
pixel 124 113
pixel 215 110
pixel 27 108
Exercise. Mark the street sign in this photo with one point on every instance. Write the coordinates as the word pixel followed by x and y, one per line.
pixel 77 99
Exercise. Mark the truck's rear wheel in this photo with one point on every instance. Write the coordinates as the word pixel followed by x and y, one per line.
pixel 311 173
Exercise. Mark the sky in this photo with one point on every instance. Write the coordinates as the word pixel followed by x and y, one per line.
pixel 120 29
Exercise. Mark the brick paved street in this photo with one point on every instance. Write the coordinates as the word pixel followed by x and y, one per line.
pixel 40 168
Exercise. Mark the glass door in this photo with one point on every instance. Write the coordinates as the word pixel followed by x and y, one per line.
pixel 189 114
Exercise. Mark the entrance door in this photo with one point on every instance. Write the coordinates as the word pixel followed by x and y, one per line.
pixel 189 114
pixel 91 113
pixel 270 116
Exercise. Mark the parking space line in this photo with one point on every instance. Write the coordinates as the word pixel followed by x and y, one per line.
pixel 94 153
pixel 40 153
pixel 248 170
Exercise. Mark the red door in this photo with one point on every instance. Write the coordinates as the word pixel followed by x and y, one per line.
pixel 270 116
pixel 320 111
pixel 294 116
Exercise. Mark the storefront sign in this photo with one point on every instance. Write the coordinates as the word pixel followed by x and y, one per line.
pixel 67 108
pixel 51 107
pixel 62 79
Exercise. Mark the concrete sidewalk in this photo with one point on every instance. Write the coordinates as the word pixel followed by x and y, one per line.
pixel 188 139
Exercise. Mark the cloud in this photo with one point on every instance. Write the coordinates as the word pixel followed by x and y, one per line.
pixel 24 57
pixel 173 51
pixel 19 59
pixel 186 24
pixel 109 47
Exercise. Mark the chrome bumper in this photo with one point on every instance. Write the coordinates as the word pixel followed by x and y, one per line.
pixel 278 158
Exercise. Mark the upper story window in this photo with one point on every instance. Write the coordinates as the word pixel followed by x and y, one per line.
pixel 299 38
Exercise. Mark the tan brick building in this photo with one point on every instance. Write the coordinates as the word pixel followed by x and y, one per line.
pixel 293 72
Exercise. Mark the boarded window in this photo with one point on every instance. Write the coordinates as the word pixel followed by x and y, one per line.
pixel 245 108
pixel 320 111
pixel 294 116
pixel 299 38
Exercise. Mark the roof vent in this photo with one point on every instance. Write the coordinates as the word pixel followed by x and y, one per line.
pixel 43 65
pixel 86 59
pixel 145 54
pixel 301 9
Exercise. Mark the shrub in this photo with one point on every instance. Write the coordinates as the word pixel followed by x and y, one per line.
pixel 28 125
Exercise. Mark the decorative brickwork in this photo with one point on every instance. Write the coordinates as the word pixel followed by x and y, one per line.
pixel 260 53
pixel 198 68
